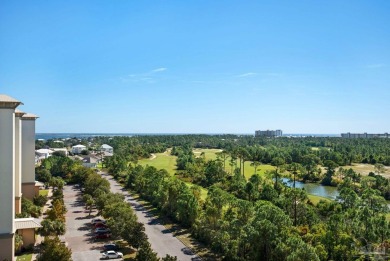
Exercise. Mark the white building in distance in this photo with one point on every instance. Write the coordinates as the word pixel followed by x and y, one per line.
pixel 77 149
pixel 106 148
pixel 268 133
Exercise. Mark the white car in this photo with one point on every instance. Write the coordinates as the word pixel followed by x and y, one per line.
pixel 112 254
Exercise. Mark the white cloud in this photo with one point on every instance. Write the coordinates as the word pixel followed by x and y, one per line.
pixel 249 74
pixel 142 77
pixel 159 70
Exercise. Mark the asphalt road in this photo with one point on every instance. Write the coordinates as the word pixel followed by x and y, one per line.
pixel 79 236
pixel 161 239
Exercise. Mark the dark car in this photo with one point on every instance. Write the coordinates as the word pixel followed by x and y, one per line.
pixel 102 235
pixel 100 225
pixel 108 247
pixel 102 230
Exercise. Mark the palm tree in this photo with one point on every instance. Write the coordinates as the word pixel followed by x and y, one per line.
pixel 255 164
pixel 278 162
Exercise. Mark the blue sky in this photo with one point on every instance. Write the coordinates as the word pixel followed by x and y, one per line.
pixel 198 66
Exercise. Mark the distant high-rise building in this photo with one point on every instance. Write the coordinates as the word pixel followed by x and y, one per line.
pixel 268 133
pixel 365 135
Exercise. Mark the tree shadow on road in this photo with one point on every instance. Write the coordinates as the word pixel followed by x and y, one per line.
pixel 86 217
pixel 85 227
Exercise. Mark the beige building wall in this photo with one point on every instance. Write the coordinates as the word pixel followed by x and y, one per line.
pixel 18 161
pixel 28 235
pixel 28 155
pixel 7 245
pixel 7 176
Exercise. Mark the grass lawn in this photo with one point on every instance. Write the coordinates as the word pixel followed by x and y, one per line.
pixel 210 154
pixel 315 199
pixel 161 161
pixel 43 192
pixel 365 169
pixel 203 193
pixel 168 162
pixel 24 257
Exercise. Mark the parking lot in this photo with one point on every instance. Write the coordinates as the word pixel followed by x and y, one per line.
pixel 79 234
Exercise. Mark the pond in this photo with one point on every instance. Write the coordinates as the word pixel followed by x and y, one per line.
pixel 314 188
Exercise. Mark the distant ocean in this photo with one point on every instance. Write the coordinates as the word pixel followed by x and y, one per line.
pixel 47 136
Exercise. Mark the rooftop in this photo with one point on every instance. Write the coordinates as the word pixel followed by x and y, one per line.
pixel 79 146
pixel 8 102
pixel 24 223
pixel 29 116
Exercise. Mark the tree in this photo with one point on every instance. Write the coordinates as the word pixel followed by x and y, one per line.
pixel 57 183
pixel 223 155
pixel 53 249
pixel 268 228
pixel 214 172
pixel 94 183
pixel 187 208
pixel 18 242
pixel 169 258
pixel 310 162
pixel 145 253
pixel 119 217
pixel 29 209
pixel 52 228
pixel 134 234
pixel 278 162
pixel 89 203
pixel 379 168
pixel 295 169
pixel 255 164
pixel 42 175
pixel 57 212
pixel 330 171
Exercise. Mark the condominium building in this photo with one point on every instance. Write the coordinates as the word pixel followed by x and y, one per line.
pixel 364 135
pixel 268 133
pixel 17 174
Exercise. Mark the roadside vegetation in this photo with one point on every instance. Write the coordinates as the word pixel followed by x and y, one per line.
pixel 121 219
pixel 53 224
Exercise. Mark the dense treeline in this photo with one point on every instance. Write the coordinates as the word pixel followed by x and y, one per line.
pixel 341 151
pixel 251 220
pixel 260 218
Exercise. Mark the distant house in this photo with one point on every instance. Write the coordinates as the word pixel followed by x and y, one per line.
pixel 64 150
pixel 43 153
pixel 77 149
pixel 106 148
pixel 90 162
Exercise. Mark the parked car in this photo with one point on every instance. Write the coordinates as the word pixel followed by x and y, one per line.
pixel 97 220
pixel 112 254
pixel 101 235
pixel 96 225
pixel 102 230
pixel 112 246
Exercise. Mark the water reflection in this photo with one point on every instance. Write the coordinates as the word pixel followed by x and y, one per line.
pixel 314 189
